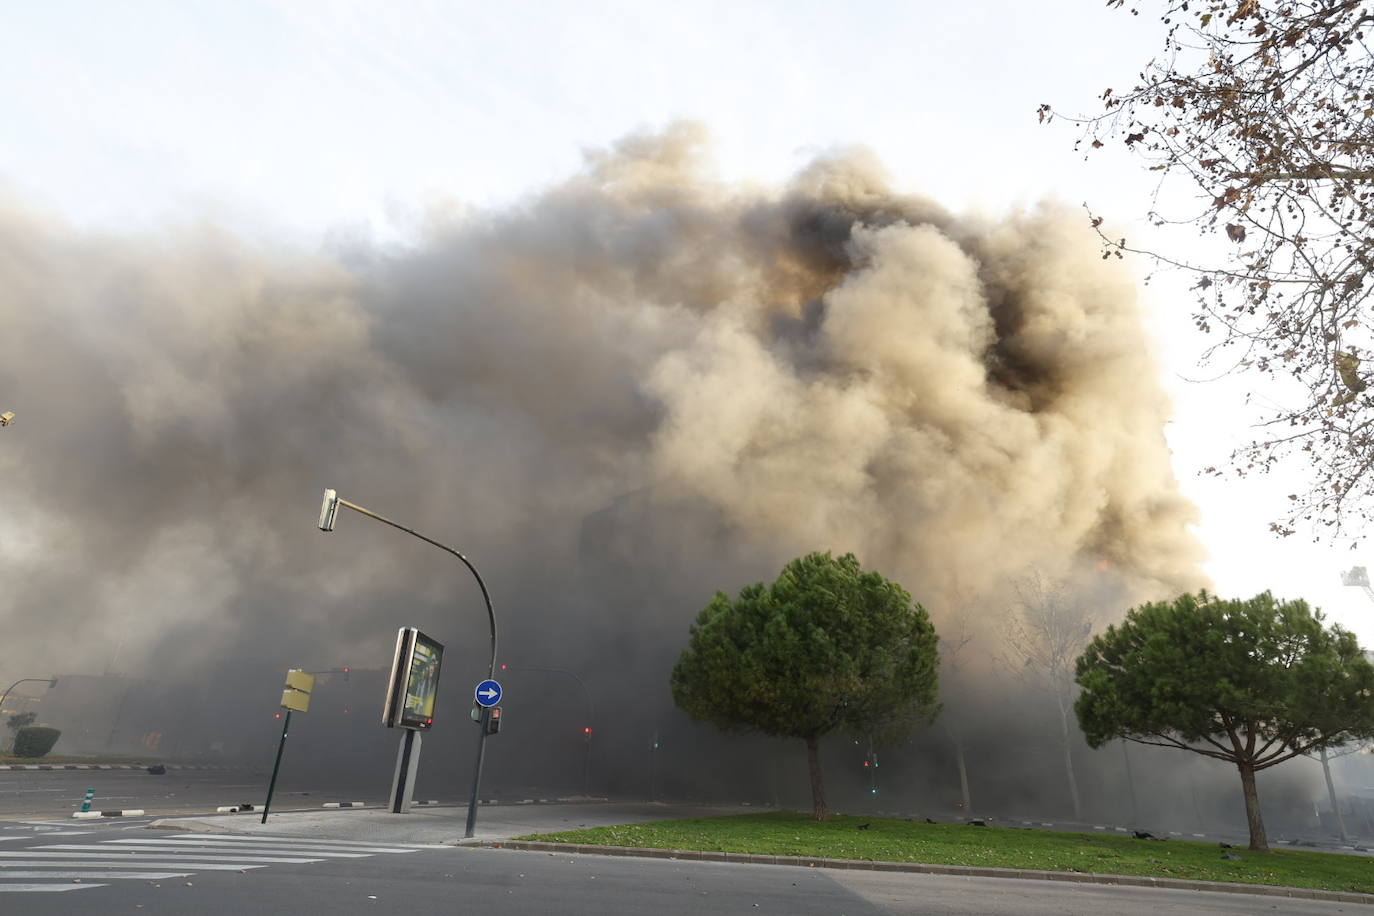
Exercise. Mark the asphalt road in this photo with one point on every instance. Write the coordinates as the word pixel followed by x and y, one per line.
pixel 175 873
pixel 344 862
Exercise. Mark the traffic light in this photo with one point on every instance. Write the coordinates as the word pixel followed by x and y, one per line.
pixel 494 721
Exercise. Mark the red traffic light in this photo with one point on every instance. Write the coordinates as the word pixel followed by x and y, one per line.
pixel 587 731
pixel 503 666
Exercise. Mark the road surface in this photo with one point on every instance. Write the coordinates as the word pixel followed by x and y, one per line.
pixel 61 869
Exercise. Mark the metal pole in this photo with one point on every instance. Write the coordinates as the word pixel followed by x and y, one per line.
pixel 491 668
pixel 486 597
pixel 271 786
pixel 407 763
pixel 653 771
pixel 587 769
pixel 23 680
pixel 483 723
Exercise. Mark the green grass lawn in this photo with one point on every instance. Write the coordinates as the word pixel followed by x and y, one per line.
pixel 787 833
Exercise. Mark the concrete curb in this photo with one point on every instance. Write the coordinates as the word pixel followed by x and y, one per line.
pixel 105 766
pixel 965 871
pixel 127 812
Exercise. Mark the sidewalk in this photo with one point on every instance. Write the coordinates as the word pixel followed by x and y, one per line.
pixel 439 825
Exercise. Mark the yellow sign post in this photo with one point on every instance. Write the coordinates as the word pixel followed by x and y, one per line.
pixel 295 698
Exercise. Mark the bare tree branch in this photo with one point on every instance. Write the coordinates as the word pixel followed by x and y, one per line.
pixel 1262 112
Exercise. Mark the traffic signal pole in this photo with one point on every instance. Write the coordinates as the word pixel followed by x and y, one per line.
pixel 484 726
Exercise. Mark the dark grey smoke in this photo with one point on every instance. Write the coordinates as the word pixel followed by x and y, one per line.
pixel 634 388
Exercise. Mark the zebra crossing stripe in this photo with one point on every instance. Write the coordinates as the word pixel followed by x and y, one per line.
pixel 296 841
pixel 226 845
pixel 112 854
pixel 193 851
pixel 146 875
pixel 117 862
pixel 68 866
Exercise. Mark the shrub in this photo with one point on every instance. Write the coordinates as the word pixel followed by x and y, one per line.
pixel 35 740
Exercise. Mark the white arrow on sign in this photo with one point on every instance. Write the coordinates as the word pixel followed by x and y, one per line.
pixel 488 693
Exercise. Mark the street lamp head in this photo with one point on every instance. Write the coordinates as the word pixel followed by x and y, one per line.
pixel 1357 576
pixel 328 509
pixel 6 418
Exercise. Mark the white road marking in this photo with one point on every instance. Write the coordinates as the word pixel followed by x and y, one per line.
pixel 194 850
pixel 47 833
pixel 313 848
pixel 149 875
pixel 120 862
pixel 67 865
pixel 292 841
pixel 111 854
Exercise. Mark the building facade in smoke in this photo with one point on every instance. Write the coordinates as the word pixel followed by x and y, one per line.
pixel 635 387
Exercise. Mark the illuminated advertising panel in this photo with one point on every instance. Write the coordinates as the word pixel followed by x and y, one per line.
pixel 414 686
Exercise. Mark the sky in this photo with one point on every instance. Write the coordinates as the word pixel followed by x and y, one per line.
pixel 302 125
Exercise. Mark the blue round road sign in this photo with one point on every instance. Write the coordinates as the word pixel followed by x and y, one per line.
pixel 487 693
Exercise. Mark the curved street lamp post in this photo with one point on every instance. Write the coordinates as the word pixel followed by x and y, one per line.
pixel 328 510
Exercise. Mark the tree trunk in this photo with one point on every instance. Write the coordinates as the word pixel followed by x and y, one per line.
pixel 1130 784
pixel 1258 841
pixel 1331 793
pixel 1068 759
pixel 813 762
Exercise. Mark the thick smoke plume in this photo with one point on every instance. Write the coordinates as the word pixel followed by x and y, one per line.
pixel 627 391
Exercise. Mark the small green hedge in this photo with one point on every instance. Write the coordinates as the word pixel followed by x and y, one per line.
pixel 35 740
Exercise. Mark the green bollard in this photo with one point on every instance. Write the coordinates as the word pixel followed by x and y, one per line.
pixel 86 805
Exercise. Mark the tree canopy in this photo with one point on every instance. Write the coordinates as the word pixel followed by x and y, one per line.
pixel 826 647
pixel 1262 112
pixel 1254 683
